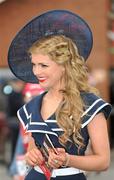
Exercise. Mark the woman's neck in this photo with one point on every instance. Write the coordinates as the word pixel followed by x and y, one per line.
pixel 54 94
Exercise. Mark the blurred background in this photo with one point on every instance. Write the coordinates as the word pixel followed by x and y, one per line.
pixel 16 13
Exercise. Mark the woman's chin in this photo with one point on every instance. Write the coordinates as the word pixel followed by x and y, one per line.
pixel 44 86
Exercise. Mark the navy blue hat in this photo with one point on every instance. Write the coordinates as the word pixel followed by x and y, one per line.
pixel 55 22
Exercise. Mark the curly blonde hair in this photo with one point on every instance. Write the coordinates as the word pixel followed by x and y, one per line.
pixel 63 51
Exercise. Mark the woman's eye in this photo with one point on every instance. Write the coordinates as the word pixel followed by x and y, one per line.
pixel 40 65
pixel 44 65
pixel 33 64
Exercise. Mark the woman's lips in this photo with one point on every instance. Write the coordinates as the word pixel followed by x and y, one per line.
pixel 42 80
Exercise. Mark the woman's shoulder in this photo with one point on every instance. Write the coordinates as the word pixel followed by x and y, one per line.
pixel 25 112
pixel 93 105
pixel 89 97
pixel 36 101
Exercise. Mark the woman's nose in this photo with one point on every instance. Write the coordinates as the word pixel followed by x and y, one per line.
pixel 37 71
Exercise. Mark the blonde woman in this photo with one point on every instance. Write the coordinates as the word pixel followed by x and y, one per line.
pixel 70 111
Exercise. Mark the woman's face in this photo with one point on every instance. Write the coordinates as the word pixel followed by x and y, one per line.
pixel 48 72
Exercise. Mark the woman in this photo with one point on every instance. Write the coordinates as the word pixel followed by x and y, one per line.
pixel 69 112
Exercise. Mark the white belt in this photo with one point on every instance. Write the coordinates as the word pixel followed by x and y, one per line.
pixel 61 171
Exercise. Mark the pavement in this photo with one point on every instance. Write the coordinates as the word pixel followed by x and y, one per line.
pixel 106 175
pixel 3 173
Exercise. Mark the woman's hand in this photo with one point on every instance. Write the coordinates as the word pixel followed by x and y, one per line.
pixel 57 160
pixel 34 157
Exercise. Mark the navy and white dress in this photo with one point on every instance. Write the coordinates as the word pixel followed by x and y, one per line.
pixel 32 121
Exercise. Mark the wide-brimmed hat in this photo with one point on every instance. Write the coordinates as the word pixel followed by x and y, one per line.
pixel 55 22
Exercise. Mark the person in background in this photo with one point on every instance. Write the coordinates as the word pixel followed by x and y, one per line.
pixel 54 48
pixel 4 130
pixel 18 168
pixel 14 102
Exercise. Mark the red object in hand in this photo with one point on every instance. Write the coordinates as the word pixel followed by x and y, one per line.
pixel 47 172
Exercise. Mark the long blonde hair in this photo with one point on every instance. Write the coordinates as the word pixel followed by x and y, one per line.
pixel 63 51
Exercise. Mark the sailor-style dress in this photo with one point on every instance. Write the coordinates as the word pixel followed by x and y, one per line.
pixel 32 121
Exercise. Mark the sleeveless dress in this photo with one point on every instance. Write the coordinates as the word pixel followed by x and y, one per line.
pixel 31 119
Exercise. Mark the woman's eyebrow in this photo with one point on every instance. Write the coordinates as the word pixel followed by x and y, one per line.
pixel 40 63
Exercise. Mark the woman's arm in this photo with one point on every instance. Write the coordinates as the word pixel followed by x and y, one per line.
pixel 33 156
pixel 31 143
pixel 100 159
